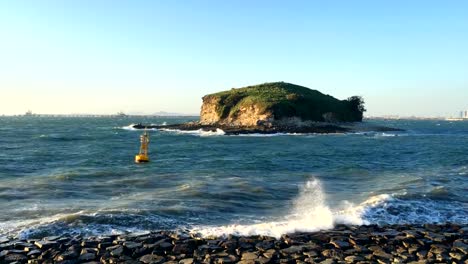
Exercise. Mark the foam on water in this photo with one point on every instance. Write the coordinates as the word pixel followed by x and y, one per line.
pixel 24 228
pixel 129 127
pixel 271 135
pixel 199 132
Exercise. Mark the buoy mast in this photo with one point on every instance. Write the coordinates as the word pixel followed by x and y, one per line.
pixel 143 154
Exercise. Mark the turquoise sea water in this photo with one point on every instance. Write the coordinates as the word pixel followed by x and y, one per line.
pixel 77 175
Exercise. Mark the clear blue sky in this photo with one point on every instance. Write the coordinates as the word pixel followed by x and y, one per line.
pixel 403 57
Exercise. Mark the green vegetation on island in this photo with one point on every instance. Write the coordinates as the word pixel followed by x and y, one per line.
pixel 285 100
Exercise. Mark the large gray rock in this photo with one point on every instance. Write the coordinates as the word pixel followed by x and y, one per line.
pixel 152 259
pixel 249 256
pixel 20 258
pixel 460 246
pixel 87 257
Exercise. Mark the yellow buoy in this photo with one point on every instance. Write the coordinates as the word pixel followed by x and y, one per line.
pixel 143 154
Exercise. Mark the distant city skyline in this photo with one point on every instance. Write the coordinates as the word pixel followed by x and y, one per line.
pixel 405 58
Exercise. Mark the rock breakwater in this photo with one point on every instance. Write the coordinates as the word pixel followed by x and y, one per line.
pixel 428 243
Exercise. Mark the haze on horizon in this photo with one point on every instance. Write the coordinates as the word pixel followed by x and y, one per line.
pixel 60 57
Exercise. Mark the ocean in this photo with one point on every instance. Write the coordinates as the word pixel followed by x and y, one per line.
pixel 70 175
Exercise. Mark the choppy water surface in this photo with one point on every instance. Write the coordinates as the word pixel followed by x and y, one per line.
pixel 77 175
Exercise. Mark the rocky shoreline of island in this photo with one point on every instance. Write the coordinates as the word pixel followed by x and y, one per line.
pixel 428 243
pixel 310 128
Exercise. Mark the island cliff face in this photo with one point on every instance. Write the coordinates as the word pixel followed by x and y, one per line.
pixel 278 103
pixel 247 115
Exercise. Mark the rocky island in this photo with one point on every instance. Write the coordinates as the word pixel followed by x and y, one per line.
pixel 277 107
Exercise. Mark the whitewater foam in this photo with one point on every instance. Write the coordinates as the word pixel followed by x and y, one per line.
pixel 129 127
pixel 309 213
pixel 24 228
pixel 199 132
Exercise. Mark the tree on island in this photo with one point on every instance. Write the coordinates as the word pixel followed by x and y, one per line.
pixel 356 104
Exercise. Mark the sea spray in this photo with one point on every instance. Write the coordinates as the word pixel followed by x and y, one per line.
pixel 309 213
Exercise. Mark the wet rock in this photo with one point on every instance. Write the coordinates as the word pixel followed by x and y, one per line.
pixel 271 253
pixel 292 250
pixel 3 253
pixel 116 251
pixel 249 256
pixel 13 251
pixel 311 254
pixel 87 257
pixel 186 261
pixel 413 249
pixel 424 242
pixel 442 257
pixel 152 259
pixel 333 254
pixel 34 253
pixel 132 245
pixel 379 252
pixel 89 244
pixel 66 256
pixel 361 249
pixel 246 262
pixel 52 238
pixel 438 249
pixel 263 260
pixel 20 258
pixel 185 248
pixel 245 246
pixel 44 244
pixel 422 254
pixel 265 245
pixel 353 259
pixel 22 245
pixel 320 237
pixel 354 240
pixel 435 237
pixel 457 256
pixel 328 261
pixel 226 259
pixel 340 244
pixel 432 227
pixel 104 245
pixel 4 240
pixel 460 246
pixel 164 245
pixel 406 257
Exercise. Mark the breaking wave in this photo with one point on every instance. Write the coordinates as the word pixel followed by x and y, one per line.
pixel 310 212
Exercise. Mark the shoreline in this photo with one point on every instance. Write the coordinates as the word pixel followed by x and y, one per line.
pixel 428 243
pixel 315 128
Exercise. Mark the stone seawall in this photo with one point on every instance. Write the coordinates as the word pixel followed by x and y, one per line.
pixel 344 244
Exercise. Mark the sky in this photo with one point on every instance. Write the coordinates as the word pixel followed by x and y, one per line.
pixel 61 57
